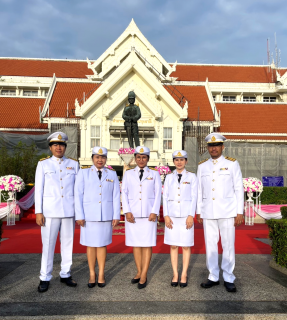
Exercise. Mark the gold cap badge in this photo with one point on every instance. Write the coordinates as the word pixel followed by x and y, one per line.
pixel 100 151
pixel 59 137
pixel 179 154
pixel 141 150
pixel 213 139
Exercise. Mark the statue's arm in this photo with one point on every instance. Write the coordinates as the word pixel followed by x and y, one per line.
pixel 138 114
pixel 125 117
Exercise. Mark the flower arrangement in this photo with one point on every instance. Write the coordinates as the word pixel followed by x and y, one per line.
pixel 163 170
pixel 126 151
pixel 11 183
pixel 252 185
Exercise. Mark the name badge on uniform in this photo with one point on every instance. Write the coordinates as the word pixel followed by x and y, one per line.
pixel 149 178
pixel 70 168
pixel 109 180
pixel 223 168
pixel 186 183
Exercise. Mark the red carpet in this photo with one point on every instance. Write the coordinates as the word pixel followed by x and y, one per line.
pixel 25 237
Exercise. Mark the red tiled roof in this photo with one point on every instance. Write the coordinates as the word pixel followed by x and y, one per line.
pixel 21 113
pixel 255 138
pixel 225 73
pixel 68 92
pixel 252 118
pixel 198 98
pixel 44 68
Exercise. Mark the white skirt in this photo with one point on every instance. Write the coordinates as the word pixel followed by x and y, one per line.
pixel 179 235
pixel 96 234
pixel 142 233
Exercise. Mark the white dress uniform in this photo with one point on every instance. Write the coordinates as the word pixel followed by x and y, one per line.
pixel 179 202
pixel 54 197
pixel 97 201
pixel 220 199
pixel 141 198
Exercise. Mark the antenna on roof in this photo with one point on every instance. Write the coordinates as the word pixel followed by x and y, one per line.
pixel 268 54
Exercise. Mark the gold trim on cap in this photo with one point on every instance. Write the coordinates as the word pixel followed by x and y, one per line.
pixel 213 139
pixel 100 151
pixel 179 154
pixel 141 150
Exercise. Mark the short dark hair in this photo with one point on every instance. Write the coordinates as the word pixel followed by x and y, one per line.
pixel 55 142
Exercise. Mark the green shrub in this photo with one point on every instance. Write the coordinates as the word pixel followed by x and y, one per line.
pixel 283 212
pixel 274 195
pixel 278 235
pixel 21 161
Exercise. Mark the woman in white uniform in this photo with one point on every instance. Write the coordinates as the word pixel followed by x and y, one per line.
pixel 141 196
pixel 97 206
pixel 179 203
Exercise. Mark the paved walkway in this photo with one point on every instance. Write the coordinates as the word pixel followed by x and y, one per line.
pixel 262 291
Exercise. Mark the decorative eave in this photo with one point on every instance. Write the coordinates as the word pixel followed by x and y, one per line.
pixel 132 63
pixel 133 31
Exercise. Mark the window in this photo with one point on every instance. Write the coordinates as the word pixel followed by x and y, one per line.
pixel 214 98
pixel 8 92
pixel 269 99
pixel 95 136
pixel 126 143
pixel 115 144
pixel 30 93
pixel 46 93
pixel 149 144
pixel 249 99
pixel 229 98
pixel 167 138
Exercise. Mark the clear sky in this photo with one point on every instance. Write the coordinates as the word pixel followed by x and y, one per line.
pixel 189 31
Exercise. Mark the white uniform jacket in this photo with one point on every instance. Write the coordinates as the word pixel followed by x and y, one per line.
pixel 179 199
pixel 220 189
pixel 141 198
pixel 97 200
pixel 54 187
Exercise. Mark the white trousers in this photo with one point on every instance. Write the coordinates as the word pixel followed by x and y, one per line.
pixel 49 233
pixel 226 229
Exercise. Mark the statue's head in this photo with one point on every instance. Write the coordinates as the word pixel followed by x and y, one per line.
pixel 131 97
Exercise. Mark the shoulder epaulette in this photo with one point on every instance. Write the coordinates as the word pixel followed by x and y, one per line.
pixel 128 169
pixel 202 161
pixel 152 168
pixel 44 158
pixel 230 159
pixel 85 167
pixel 110 169
pixel 73 159
pixel 170 172
pixel 190 171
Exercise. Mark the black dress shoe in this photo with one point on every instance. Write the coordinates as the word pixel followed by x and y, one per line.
pixel 91 285
pixel 69 282
pixel 133 281
pixel 142 285
pixel 174 283
pixel 209 284
pixel 43 286
pixel 230 287
pixel 183 284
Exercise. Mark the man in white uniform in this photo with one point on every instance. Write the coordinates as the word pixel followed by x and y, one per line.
pixel 54 208
pixel 220 208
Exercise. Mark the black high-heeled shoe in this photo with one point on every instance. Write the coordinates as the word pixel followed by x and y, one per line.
pixel 102 284
pixel 142 285
pixel 91 285
pixel 174 283
pixel 183 284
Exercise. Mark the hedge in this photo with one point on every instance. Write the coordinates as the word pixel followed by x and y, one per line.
pixel 278 235
pixel 274 195
pixel 1 230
